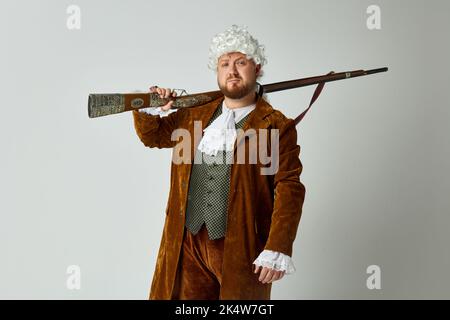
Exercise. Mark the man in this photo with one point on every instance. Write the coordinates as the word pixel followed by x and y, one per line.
pixel 230 225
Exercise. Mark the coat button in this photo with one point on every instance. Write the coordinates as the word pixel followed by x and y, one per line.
pixel 181 212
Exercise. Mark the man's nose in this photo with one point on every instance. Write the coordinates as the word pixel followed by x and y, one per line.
pixel 233 70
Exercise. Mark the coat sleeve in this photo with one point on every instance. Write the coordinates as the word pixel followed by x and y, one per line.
pixel 155 131
pixel 289 193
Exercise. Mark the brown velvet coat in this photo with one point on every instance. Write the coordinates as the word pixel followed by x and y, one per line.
pixel 263 210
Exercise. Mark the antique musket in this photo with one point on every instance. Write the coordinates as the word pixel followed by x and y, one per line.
pixel 103 104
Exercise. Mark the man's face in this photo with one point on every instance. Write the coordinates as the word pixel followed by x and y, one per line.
pixel 236 76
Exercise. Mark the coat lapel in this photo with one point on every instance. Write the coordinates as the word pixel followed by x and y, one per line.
pixel 203 114
pixel 256 120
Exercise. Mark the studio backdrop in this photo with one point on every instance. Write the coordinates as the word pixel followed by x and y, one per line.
pixel 83 200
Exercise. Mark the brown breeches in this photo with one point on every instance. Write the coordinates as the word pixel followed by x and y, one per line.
pixel 200 272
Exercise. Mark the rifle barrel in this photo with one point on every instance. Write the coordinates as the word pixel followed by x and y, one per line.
pixel 292 84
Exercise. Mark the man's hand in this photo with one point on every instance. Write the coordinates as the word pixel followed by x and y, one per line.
pixel 269 275
pixel 164 93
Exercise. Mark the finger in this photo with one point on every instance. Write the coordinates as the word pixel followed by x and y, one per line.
pixel 276 276
pixel 167 106
pixel 257 268
pixel 282 273
pixel 174 93
pixel 161 92
pixel 153 88
pixel 263 273
pixel 268 276
pixel 167 93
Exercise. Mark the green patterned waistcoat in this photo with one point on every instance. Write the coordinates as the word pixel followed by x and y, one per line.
pixel 208 189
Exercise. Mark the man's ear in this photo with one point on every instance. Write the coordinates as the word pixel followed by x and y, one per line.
pixel 258 69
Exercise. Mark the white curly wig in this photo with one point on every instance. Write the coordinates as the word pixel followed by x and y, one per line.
pixel 235 39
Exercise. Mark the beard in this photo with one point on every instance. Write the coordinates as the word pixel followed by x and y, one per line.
pixel 237 91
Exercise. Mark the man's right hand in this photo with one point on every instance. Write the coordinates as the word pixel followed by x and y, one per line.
pixel 164 93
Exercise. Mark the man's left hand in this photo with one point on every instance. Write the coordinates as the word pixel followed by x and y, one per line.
pixel 268 275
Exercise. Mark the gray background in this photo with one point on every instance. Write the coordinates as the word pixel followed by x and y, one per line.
pixel 86 192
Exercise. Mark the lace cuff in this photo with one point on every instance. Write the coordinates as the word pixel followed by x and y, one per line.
pixel 275 260
pixel 156 111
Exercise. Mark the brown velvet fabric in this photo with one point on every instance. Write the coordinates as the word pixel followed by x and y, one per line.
pixel 263 210
pixel 200 273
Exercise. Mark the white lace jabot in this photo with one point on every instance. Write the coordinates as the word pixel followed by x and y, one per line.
pixel 221 133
